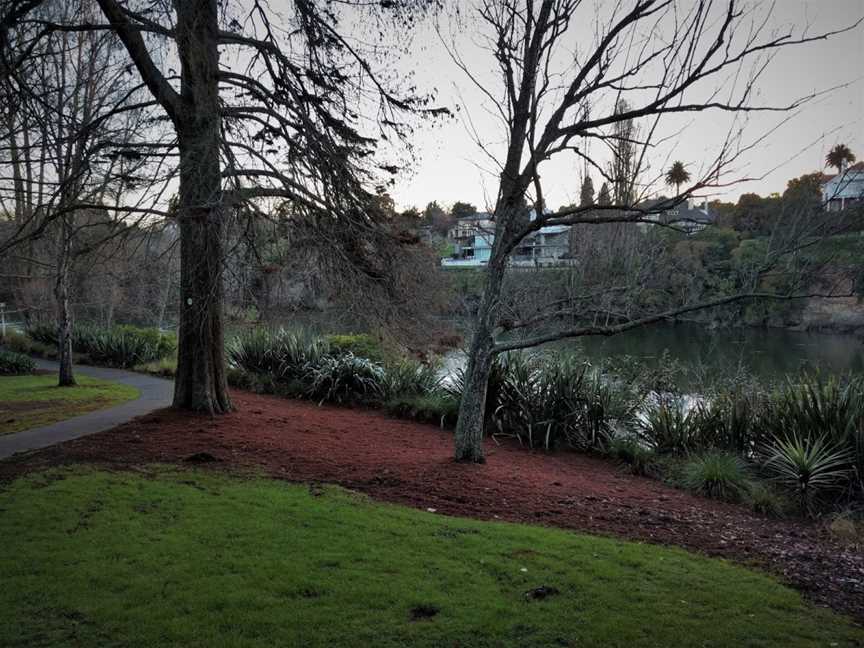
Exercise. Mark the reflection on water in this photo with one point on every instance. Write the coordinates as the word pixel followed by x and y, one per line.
pixel 766 353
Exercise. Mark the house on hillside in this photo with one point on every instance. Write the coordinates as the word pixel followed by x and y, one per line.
pixel 688 216
pixel 547 247
pixel 472 239
pixel 844 189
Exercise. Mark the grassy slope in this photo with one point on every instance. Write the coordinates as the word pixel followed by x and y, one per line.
pixel 192 559
pixel 32 401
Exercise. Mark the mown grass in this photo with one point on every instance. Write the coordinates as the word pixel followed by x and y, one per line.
pixel 32 401
pixel 187 558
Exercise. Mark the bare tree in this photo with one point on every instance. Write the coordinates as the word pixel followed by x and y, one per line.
pixel 262 105
pixel 649 59
pixel 59 144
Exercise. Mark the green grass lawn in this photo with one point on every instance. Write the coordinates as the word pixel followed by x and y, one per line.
pixel 31 401
pixel 186 558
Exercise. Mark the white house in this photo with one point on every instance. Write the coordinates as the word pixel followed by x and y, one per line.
pixel 473 236
pixel 844 189
pixel 472 239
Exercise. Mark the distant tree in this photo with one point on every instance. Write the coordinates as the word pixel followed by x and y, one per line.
pixel 753 215
pixel 462 210
pixel 839 156
pixel 439 219
pixel 72 154
pixel 385 204
pixel 412 214
pixel 603 198
pixel 677 175
pixel 725 212
pixel 626 152
pixel 586 194
pixel 805 190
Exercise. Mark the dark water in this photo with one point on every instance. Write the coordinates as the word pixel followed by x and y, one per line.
pixel 765 353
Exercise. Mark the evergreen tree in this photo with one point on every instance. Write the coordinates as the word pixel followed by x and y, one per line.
pixel 586 195
pixel 603 198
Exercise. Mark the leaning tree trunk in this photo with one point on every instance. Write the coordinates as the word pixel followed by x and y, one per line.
pixel 65 377
pixel 471 423
pixel 200 383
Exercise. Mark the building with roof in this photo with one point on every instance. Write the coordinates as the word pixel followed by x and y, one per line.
pixel 688 216
pixel 844 189
pixel 472 238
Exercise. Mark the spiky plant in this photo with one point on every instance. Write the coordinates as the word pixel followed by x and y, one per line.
pixel 810 469
pixel 345 379
pixel 410 378
pixel 669 426
pixel 719 475
pixel 627 450
pixel 815 405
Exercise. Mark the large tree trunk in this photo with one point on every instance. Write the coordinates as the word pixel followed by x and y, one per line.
pixel 200 383
pixel 471 423
pixel 65 376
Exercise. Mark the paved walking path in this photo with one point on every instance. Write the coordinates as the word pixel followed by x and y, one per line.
pixel 156 393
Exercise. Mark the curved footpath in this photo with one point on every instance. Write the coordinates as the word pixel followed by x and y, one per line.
pixel 155 393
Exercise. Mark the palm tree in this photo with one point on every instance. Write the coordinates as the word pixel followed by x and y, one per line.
pixel 677 175
pixel 838 156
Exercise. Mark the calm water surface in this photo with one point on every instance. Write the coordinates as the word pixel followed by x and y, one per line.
pixel 766 353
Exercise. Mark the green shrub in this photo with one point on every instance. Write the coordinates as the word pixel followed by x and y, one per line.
pixel 825 406
pixel 166 367
pixel 43 333
pixel 49 352
pixel 764 499
pixel 662 376
pixel 732 421
pixel 15 364
pixel 253 352
pixel 240 379
pixel 811 470
pixel 669 426
pixel 718 475
pixel 119 346
pixel 818 407
pixel 610 407
pixel 409 378
pixel 361 345
pixel 345 379
pixel 630 452
pixel 545 402
pixel 285 355
pixel 18 342
pixel 437 407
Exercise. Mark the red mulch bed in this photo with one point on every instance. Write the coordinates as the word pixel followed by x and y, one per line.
pixel 410 463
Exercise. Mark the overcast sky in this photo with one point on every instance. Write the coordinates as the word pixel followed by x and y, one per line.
pixel 448 166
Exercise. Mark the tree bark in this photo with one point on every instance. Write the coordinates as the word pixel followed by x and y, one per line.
pixel 66 377
pixel 472 409
pixel 200 383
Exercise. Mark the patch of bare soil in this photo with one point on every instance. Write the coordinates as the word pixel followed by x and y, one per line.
pixel 411 464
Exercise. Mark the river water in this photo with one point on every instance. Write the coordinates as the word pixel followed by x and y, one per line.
pixel 765 353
